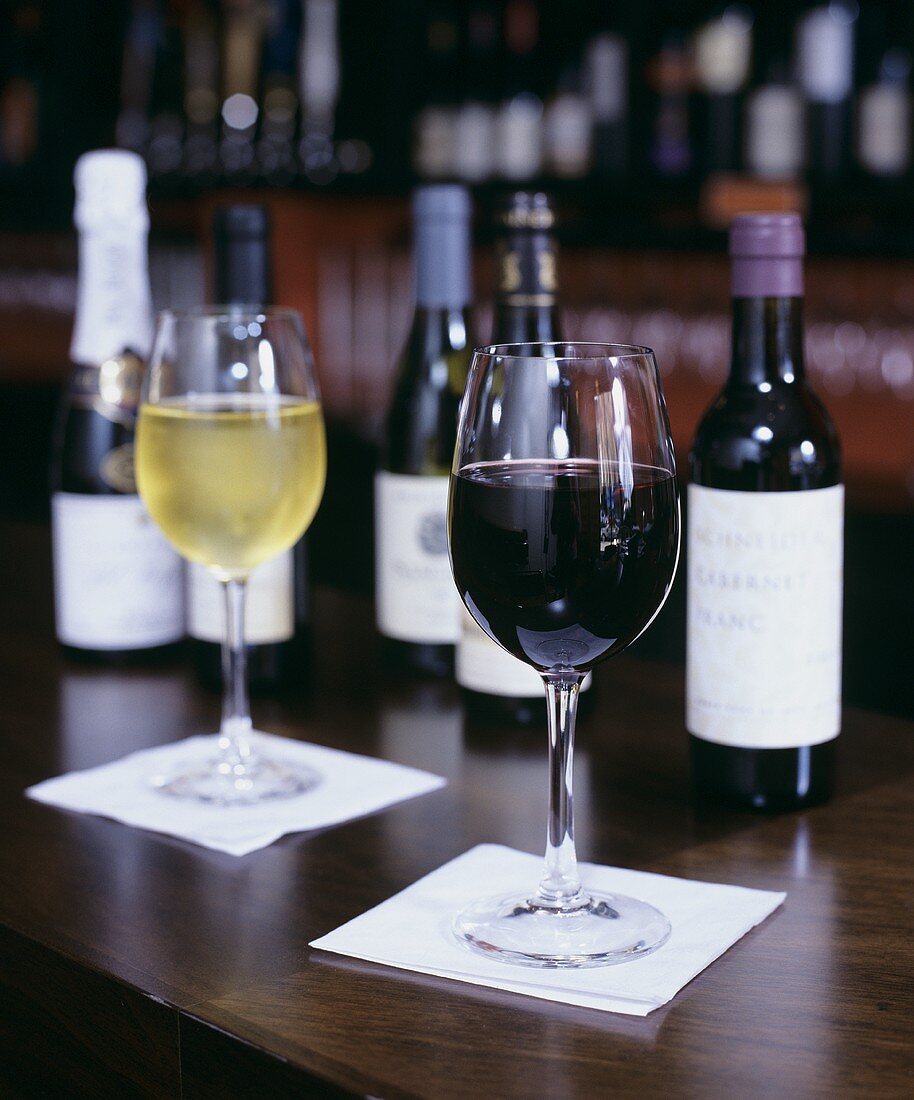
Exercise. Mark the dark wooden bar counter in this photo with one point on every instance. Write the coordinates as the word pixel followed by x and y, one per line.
pixel 135 964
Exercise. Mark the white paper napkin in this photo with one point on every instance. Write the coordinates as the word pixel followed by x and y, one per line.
pixel 350 787
pixel 412 931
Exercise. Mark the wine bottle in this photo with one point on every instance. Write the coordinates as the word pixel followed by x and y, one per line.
pixel 607 79
pixel 417 602
pixel 884 118
pixel 474 125
pixel 117 582
pixel 435 149
pixel 825 69
pixel 495 684
pixel 519 120
pixel 775 139
pixel 277 603
pixel 765 520
pixel 723 49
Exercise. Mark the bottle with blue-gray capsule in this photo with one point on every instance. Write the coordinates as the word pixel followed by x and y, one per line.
pixel 416 600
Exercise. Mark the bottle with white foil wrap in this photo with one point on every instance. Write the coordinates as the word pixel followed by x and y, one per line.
pixel 765 549
pixel 117 582
pixel 416 599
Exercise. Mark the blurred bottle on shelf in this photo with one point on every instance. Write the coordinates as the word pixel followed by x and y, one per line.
pixel 669 75
pixel 435 126
pixel 723 55
pixel 279 97
pixel 519 120
pixel 474 123
pixel 568 127
pixel 607 86
pixel 775 146
pixel 242 44
pixel 824 63
pixel 141 36
pixel 884 118
pixel 165 150
pixel 319 90
pixel 201 93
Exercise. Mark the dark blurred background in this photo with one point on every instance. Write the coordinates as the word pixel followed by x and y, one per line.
pixel 650 123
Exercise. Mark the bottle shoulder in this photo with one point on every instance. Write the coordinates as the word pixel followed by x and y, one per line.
pixel 422 418
pixel 779 437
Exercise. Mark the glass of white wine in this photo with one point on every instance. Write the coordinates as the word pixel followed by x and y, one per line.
pixel 231 462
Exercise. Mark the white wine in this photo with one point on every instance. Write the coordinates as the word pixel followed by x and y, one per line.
pixel 232 479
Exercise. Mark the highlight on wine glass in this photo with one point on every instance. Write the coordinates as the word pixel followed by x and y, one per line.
pixel 231 463
pixel 563 526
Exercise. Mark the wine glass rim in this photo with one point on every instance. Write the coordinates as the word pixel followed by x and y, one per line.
pixel 225 312
pixel 590 350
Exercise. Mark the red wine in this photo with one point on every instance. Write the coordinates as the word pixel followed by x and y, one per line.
pixel 495 687
pixel 564 562
pixel 764 550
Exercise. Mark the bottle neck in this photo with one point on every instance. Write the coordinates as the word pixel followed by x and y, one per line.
pixel 442 258
pixel 113 299
pixel 243 275
pixel 767 341
pixel 525 302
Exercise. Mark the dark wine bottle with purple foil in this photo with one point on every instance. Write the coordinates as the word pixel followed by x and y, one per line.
pixel 765 540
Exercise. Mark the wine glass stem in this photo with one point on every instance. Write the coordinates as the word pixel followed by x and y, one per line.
pixel 560 887
pixel 235 731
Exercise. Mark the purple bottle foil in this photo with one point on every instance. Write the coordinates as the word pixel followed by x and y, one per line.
pixel 766 252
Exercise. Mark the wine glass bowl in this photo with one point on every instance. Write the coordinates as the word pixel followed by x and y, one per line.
pixel 231 463
pixel 564 541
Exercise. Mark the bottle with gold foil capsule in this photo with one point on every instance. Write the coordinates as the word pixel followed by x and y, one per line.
pixel 117 582
pixel 494 683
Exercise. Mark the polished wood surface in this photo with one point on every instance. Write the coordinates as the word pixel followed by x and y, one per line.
pixel 136 964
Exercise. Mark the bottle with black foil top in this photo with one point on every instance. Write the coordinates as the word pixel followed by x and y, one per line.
pixel 417 604
pixel 765 549
pixel 495 684
pixel 117 582
pixel 278 600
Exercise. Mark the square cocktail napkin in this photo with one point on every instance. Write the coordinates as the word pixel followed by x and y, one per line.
pixel 351 786
pixel 412 931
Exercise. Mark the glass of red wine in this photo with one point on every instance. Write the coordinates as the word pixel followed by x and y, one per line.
pixel 563 528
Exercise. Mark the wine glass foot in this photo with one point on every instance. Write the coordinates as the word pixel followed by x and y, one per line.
pixel 218 783
pixel 605 930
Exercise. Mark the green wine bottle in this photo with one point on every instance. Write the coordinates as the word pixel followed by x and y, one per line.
pixel 417 602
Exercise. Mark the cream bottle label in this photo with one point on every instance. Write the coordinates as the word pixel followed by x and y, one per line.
pixel 269 604
pixel 482 665
pixel 763 666
pixel 117 582
pixel 417 599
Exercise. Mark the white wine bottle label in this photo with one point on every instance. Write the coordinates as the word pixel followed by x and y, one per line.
pixel 482 665
pixel 269 605
pixel 763 664
pixel 117 582
pixel 417 599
